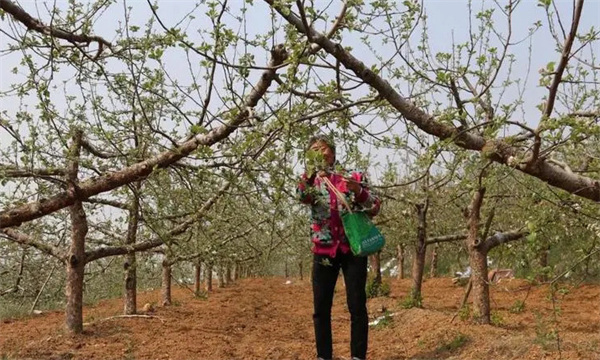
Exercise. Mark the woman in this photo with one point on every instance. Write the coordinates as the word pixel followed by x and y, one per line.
pixel 331 249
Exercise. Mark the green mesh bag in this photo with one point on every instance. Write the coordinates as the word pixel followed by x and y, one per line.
pixel 363 236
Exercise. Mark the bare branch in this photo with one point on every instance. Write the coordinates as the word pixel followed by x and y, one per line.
pixel 17 215
pixel 502 238
pixel 339 21
pixel 86 144
pixel 36 25
pixel 497 150
pixel 10 171
pixel 445 238
pixel 562 65
pixel 24 239
pixel 113 203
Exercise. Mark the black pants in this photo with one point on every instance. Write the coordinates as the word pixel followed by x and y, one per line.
pixel 324 276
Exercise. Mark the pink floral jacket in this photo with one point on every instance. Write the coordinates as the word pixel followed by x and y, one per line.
pixel 327 231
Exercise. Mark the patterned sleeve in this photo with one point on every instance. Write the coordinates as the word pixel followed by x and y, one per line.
pixel 367 199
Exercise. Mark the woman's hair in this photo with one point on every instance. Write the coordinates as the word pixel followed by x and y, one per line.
pixel 324 139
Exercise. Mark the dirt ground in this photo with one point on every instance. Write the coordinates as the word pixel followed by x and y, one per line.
pixel 269 319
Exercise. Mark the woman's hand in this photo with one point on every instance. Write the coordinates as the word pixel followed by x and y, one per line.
pixel 352 185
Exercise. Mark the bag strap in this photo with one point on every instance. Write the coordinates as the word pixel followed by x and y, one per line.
pixel 341 197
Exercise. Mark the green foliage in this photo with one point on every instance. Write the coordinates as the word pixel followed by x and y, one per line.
pixel 546 333
pixel 517 307
pixel 465 312
pixel 375 289
pixel 386 320
pixel 496 319
pixel 411 301
pixel 456 343
pixel 10 310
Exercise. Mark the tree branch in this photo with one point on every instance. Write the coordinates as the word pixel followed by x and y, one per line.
pixel 24 239
pixel 17 215
pixel 497 150
pixel 445 238
pixel 36 25
pixel 86 144
pixel 113 203
pixel 502 238
pixel 562 65
pixel 15 172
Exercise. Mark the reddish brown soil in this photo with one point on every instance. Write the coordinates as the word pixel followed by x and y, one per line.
pixel 267 319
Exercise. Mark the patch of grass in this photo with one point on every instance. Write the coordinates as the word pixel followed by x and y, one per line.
pixel 545 334
pixel 456 343
pixel 129 351
pixel 9 310
pixel 385 321
pixel 375 289
pixel 563 291
pixel 518 307
pixel 465 313
pixel 496 319
pixel 411 301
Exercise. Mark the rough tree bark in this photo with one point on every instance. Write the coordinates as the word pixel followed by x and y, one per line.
pixel 197 277
pixel 301 270
pixel 208 276
pixel 228 277
pixel 434 262
pixel 478 261
pixel 220 276
pixel 420 252
pixel 166 282
pixel 76 256
pixel 130 265
pixel 236 271
pixel 400 261
pixel 376 265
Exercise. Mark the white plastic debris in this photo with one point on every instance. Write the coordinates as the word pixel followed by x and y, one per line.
pixel 37 312
pixel 378 320
pixel 288 282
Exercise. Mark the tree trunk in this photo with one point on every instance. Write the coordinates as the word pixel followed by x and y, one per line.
pixel 478 262
pixel 400 265
pixel 76 256
pixel 166 283
pixel 434 262
pixel 301 270
pixel 197 280
pixel 75 269
pixel 287 274
pixel 208 276
pixel 376 264
pixel 236 271
pixel 228 277
pixel 420 252
pixel 130 301
pixel 220 276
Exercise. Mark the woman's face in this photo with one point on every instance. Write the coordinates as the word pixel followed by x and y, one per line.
pixel 324 149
